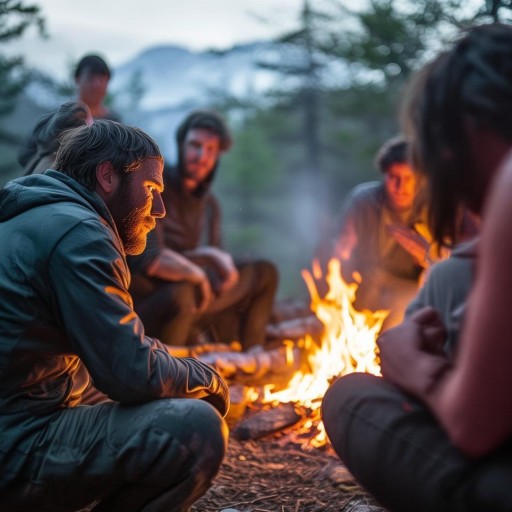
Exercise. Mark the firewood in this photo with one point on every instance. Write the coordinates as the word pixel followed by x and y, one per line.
pixel 266 422
pixel 289 309
pixel 295 328
pixel 258 367
pixel 238 401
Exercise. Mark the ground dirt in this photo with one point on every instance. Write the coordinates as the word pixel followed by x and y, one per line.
pixel 283 473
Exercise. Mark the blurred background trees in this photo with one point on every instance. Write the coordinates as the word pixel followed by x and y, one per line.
pixel 299 147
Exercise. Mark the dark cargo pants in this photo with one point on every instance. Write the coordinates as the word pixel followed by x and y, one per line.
pixel 399 453
pixel 158 456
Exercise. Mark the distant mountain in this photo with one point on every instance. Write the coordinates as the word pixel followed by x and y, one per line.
pixel 176 80
pixel 158 87
pixel 173 75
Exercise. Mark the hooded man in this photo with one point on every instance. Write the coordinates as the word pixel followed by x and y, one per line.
pixel 184 282
pixel 139 439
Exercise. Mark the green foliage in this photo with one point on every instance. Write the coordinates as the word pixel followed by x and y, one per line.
pixel 392 38
pixel 15 18
pixel 300 151
pixel 249 180
pixel 496 10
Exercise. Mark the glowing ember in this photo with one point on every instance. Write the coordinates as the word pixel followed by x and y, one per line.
pixel 347 345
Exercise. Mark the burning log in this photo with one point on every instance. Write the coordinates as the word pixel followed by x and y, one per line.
pixel 296 328
pixel 267 422
pixel 289 309
pixel 259 367
pixel 238 403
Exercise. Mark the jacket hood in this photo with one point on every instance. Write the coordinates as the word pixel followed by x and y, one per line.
pixel 28 192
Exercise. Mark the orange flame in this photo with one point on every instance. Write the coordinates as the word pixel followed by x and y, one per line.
pixel 348 343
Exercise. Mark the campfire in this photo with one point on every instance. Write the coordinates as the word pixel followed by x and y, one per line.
pixel 341 340
pixel 348 344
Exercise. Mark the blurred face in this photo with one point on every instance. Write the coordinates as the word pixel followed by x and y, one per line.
pixel 400 186
pixel 92 87
pixel 137 203
pixel 201 150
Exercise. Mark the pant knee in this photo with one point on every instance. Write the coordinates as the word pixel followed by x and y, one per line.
pixel 202 430
pixel 267 273
pixel 341 399
pixel 181 298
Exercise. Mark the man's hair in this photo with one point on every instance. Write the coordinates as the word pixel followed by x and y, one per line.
pixel 204 120
pixel 394 151
pixel 82 149
pixel 470 83
pixel 94 64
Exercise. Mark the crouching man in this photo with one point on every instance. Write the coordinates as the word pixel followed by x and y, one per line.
pixel 68 334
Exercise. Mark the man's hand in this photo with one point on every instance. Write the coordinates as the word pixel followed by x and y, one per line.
pixel 198 277
pixel 172 266
pixel 222 262
pixel 417 246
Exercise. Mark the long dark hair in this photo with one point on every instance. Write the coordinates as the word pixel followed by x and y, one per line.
pixel 472 82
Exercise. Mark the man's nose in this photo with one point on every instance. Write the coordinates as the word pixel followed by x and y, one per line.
pixel 158 208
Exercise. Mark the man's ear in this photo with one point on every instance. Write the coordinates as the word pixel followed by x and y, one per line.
pixel 106 179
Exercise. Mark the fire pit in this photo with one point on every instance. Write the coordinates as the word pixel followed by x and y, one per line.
pixel 299 372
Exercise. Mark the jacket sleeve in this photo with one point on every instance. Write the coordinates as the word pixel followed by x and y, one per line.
pixel 89 279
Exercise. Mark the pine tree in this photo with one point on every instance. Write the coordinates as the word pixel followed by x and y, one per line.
pixel 15 18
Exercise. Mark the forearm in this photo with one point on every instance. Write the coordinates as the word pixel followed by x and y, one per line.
pixel 172 266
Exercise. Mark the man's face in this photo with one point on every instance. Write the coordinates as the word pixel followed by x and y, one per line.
pixel 201 150
pixel 400 186
pixel 136 203
pixel 92 87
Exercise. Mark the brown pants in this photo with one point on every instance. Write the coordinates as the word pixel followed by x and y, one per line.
pixel 167 309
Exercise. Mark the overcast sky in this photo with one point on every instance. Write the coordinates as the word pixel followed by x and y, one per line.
pixel 120 29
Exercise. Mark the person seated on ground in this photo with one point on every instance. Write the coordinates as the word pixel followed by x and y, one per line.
pixel 156 437
pixel 92 76
pixel 434 434
pixel 37 152
pixel 384 235
pixel 184 283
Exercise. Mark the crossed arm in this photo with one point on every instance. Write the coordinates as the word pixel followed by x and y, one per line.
pixel 173 266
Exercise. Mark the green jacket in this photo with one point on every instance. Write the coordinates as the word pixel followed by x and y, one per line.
pixel 65 312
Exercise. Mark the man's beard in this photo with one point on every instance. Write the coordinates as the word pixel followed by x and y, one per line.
pixel 129 221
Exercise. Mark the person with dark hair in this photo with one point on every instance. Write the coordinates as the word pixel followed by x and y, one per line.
pixel 92 76
pixel 37 152
pixel 434 434
pixel 184 282
pixel 384 236
pixel 94 413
